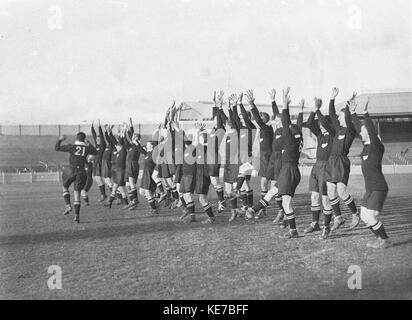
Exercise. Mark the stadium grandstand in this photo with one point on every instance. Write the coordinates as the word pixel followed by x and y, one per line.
pixel 391 110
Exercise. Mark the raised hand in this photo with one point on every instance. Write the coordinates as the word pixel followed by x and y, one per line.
pixel 318 103
pixel 62 138
pixel 214 99
pixel 220 97
pixel 286 98
pixel 272 94
pixel 240 98
pixel 249 97
pixel 233 99
pixel 335 92
pixel 366 104
pixel 302 104
pixel 353 97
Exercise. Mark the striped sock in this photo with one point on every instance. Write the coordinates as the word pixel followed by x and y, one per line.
pixel 279 201
pixel 152 202
pixel 77 207
pixel 182 199
pixel 191 207
pixel 66 197
pixel 250 198
pixel 335 206
pixel 380 230
pixel 315 213
pixel 102 190
pixel 291 220
pixel 208 210
pixel 351 204
pixel 219 192
pixel 262 204
pixel 239 182
pixel 160 186
pixel 328 217
pixel 243 197
pixel 175 194
pixel 233 202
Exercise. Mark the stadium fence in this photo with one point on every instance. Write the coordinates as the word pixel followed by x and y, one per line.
pixel 33 177
pixel 60 129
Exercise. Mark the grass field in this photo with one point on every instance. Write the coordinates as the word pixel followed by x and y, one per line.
pixel 115 254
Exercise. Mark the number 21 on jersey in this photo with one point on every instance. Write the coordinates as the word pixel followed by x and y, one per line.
pixel 80 151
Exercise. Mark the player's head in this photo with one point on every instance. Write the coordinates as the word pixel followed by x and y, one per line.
pixel 364 134
pixel 278 121
pixel 294 128
pixel 81 136
pixel 149 146
pixel 136 138
pixel 341 118
pixel 265 117
pixel 188 139
pixel 91 158
pixel 322 128
pixel 203 138
pixel 118 145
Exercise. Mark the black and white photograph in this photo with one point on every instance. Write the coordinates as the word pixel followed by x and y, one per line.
pixel 205 153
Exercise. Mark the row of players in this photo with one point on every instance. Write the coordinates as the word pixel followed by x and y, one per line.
pixel 280 142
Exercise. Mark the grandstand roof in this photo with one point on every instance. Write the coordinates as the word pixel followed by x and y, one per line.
pixel 386 104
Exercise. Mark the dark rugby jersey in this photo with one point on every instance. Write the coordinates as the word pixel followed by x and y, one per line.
pixel 189 161
pixel 133 153
pixel 119 159
pixel 372 155
pixel 278 142
pixel 293 141
pixel 101 147
pixel 344 137
pixel 78 152
pixel 266 132
pixel 278 139
pixel 250 126
pixel 324 140
pixel 148 163
pixel 107 154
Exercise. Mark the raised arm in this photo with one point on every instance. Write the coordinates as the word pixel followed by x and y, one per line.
pixel 275 108
pixel 312 125
pixel 251 100
pixel 299 122
pixel 348 120
pixel 102 139
pixel 94 135
pixel 248 122
pixel 286 131
pixel 59 147
pixel 370 127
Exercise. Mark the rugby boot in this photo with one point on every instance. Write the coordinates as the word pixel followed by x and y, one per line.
pixel 209 220
pixel 325 233
pixel 279 217
pixel 260 214
pixel 355 221
pixel 379 243
pixel 67 210
pixel 290 234
pixel 314 226
pixel 338 221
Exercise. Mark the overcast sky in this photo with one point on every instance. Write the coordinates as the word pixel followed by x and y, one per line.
pixel 69 61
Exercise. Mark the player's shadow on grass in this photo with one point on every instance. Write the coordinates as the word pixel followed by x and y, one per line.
pixel 168 226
